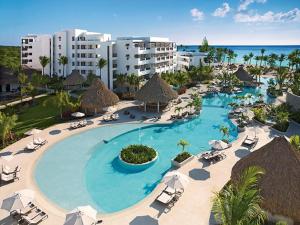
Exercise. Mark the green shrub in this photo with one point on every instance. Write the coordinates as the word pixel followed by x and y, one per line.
pixel 260 115
pixel 138 154
pixel 182 156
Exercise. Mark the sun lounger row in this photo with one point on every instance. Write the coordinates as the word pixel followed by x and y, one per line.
pixel 35 144
pixel 112 117
pixel 212 156
pixel 79 124
pixel 30 215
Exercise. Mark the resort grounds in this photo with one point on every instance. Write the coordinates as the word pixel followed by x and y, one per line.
pixel 194 206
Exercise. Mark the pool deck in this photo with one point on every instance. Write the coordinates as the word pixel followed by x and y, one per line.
pixel 193 207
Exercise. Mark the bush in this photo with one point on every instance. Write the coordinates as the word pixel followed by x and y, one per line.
pixel 138 154
pixel 296 116
pixel 182 156
pixel 260 115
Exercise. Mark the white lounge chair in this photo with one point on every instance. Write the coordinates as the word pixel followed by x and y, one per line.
pixel 9 177
pixel 250 141
pixel 39 141
pixel 31 146
pixel 8 170
pixel 35 219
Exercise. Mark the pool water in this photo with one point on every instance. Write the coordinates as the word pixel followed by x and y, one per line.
pixel 82 169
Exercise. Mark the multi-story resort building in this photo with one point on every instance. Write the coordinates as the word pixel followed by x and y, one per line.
pixel 143 56
pixel 188 59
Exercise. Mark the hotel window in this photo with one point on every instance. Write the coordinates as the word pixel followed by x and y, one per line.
pixel 59 71
pixel 127 56
pixel 30 40
pixel 29 53
pixel 78 63
pixel 30 46
pixel 127 67
pixel 82 71
pixel 59 38
pixel 59 47
pixel 78 55
pixel 59 55
pixel 78 46
pixel 73 46
pixel 73 55
pixel 82 46
pixel 73 63
pixel 73 38
pixel 82 55
pixel 30 60
pixel 82 64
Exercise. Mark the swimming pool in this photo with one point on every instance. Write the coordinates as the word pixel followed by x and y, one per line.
pixel 82 169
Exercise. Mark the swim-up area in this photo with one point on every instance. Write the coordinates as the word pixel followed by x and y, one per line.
pixel 83 170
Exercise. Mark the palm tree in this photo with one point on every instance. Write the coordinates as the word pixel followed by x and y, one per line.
pixel 101 64
pixel 239 202
pixel 22 77
pixel 281 58
pixel 183 144
pixel 63 60
pixel 225 131
pixel 257 58
pixel 178 109
pixel 7 123
pixel 295 141
pixel 281 77
pixel 246 58
pixel 250 57
pixel 262 51
pixel 44 61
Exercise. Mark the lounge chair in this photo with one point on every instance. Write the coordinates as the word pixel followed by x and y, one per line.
pixel 250 142
pixel 38 217
pixel 6 178
pixel 166 199
pixel 82 123
pixel 74 125
pixel 17 214
pixel 31 146
pixel 7 170
pixel 39 141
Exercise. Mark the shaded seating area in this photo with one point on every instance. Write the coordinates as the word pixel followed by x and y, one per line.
pixel 280 185
pixel 244 76
pixel 212 156
pixel 74 81
pixel 97 98
pixel 156 94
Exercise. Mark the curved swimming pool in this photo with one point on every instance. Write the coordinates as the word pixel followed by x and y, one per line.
pixel 82 169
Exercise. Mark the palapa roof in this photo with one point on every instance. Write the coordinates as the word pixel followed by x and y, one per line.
pixel 75 78
pixel 98 96
pixel 280 186
pixel 156 90
pixel 243 75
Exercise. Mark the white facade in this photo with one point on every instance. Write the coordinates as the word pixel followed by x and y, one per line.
pixel 34 46
pixel 144 56
pixel 188 59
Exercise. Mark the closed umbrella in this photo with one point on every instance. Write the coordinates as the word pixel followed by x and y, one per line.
pixel 78 114
pixel 33 132
pixel 18 201
pixel 218 144
pixel 176 180
pixel 82 215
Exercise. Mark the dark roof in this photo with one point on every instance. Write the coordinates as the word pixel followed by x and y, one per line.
pixel 280 185
pixel 75 78
pixel 156 90
pixel 8 76
pixel 243 75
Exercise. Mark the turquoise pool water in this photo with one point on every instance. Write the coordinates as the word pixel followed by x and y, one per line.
pixel 83 170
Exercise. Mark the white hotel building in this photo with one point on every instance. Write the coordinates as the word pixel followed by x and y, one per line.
pixel 143 56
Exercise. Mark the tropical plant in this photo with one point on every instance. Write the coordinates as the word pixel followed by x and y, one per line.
pixel 295 141
pixel 181 78
pixel 90 78
pixel 197 103
pixel 204 46
pixel 183 143
pixel 178 109
pixel 260 115
pixel 257 58
pixel 134 81
pixel 262 51
pixel 44 61
pixel 138 154
pixel 282 75
pixel 295 84
pixel 246 58
pixel 22 77
pixel 101 64
pixel 7 123
pixel 225 132
pixel 63 60
pixel 282 120
pixel 250 57
pixel 281 58
pixel 238 203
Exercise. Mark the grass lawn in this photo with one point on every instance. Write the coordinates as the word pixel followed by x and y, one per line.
pixel 37 116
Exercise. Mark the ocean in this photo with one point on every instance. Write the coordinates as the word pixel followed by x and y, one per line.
pixel 242 50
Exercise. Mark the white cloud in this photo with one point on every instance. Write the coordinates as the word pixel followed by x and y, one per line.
pixel 222 11
pixel 197 14
pixel 268 17
pixel 245 3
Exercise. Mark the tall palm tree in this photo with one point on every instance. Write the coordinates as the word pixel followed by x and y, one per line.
pixel 225 131
pixel 183 144
pixel 262 51
pixel 246 59
pixel 101 64
pixel 250 57
pixel 239 203
pixel 257 58
pixel 63 60
pixel 7 123
pixel 44 61
pixel 281 58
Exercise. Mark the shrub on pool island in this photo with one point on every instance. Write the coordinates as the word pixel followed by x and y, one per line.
pixel 138 154
pixel 182 156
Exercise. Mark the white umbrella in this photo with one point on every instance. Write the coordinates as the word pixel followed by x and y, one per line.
pixel 110 109
pixel 175 180
pixel 33 132
pixel 218 144
pixel 82 215
pixel 78 114
pixel 18 201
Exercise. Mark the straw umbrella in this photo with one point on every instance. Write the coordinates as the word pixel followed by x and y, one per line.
pixel 82 215
pixel 280 186
pixel 33 132
pixel 75 79
pixel 157 91
pixel 243 75
pixel 18 201
pixel 97 98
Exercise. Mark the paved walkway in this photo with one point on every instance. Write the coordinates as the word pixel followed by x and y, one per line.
pixel 193 207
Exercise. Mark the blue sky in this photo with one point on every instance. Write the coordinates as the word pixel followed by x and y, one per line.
pixel 186 22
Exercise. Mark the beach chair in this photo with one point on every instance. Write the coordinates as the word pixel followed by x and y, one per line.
pixel 39 141
pixel 166 199
pixel 31 146
pixel 250 142
pixel 74 125
pixel 17 214
pixel 37 218
pixel 7 170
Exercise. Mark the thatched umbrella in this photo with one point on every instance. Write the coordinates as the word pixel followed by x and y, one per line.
pixel 280 186
pixel 98 97
pixel 156 90
pixel 243 75
pixel 75 79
